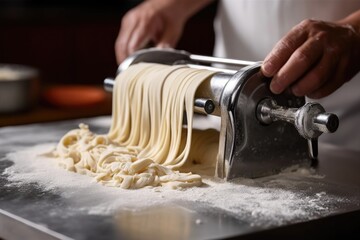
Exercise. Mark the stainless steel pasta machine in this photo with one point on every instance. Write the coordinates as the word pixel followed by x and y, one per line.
pixel 261 133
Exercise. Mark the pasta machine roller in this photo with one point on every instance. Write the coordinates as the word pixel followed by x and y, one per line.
pixel 261 133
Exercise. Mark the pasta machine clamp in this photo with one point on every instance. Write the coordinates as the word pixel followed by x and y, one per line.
pixel 261 133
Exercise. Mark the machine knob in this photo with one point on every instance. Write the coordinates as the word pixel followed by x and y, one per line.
pixel 205 106
pixel 310 120
pixel 327 122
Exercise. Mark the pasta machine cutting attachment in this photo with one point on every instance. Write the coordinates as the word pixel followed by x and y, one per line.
pixel 261 133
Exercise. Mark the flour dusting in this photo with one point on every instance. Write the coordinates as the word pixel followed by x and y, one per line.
pixel 267 201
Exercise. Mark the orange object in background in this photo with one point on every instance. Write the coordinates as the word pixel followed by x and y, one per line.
pixel 74 96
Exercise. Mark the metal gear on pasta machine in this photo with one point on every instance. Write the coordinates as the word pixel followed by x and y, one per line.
pixel 261 133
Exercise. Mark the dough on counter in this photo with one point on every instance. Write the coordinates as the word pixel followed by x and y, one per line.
pixel 147 144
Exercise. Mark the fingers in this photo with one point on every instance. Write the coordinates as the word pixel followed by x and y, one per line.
pixel 301 61
pixel 138 27
pixel 319 75
pixel 128 25
pixel 313 60
pixel 170 37
pixel 283 50
pixel 151 21
pixel 139 38
pixel 335 80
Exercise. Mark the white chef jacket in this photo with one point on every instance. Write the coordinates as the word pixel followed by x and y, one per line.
pixel 249 29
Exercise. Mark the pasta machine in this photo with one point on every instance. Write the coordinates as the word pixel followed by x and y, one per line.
pixel 261 133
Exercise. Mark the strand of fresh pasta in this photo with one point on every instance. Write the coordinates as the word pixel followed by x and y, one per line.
pixel 146 141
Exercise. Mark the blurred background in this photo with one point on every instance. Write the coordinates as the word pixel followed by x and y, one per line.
pixel 71 43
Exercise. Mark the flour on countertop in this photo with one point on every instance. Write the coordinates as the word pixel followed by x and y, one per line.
pixel 274 200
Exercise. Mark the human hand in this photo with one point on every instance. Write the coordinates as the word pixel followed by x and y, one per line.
pixel 313 59
pixel 150 22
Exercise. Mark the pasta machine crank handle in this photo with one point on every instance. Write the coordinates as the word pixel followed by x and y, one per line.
pixel 310 120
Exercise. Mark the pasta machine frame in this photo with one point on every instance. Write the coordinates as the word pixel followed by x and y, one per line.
pixel 261 133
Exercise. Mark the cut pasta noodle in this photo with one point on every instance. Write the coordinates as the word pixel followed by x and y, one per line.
pixel 146 144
